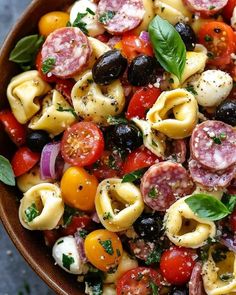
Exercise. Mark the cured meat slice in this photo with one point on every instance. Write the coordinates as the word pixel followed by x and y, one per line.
pixel 213 145
pixel 196 283
pixel 206 7
pixel 120 16
pixel 141 249
pixel 67 50
pixel 176 151
pixel 211 179
pixel 164 183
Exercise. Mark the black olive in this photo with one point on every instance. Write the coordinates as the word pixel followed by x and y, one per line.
pixel 142 70
pixel 109 67
pixel 226 112
pixel 179 291
pixel 36 140
pixel 187 34
pixel 148 226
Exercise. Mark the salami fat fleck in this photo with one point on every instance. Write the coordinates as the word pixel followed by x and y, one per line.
pixel 196 283
pixel 206 7
pixel 164 183
pixel 70 51
pixel 213 145
pixel 120 16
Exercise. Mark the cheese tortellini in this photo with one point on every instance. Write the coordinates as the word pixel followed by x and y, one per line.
pixel 184 107
pixel 95 103
pixel 55 115
pixel 23 94
pixel 41 207
pixel 148 16
pixel 118 204
pixel 184 228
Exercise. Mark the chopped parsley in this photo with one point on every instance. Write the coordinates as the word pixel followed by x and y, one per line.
pixel 79 23
pixel 48 65
pixel 90 11
pixel 212 7
pixel 154 288
pixel 68 215
pixel 218 140
pixel 106 16
pixel 210 54
pixel 153 193
pixel 31 213
pixel 191 89
pixel 83 233
pixel 225 277
pixel 154 144
pixel 72 111
pixel 107 216
pixel 208 38
pixel 67 261
pixel 131 177
pixel 116 120
pixel 154 256
pixel 107 246
pixel 95 287
pixel 60 242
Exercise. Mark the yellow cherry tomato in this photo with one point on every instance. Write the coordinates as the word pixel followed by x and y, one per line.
pixel 103 249
pixel 78 188
pixel 52 21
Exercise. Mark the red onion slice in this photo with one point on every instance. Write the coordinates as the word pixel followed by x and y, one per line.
pixel 144 36
pixel 80 245
pixel 229 242
pixel 95 217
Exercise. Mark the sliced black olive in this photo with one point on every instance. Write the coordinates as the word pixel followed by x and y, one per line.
pixel 142 70
pixel 179 291
pixel 36 140
pixel 187 34
pixel 226 112
pixel 109 67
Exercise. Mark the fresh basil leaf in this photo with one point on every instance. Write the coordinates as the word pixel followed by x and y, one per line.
pixel 169 48
pixel 48 65
pixel 229 201
pixel 90 11
pixel 131 177
pixel 67 261
pixel 6 172
pixel 81 24
pixel 31 213
pixel 207 207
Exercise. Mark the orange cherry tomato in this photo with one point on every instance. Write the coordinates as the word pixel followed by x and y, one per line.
pixel 103 249
pixel 78 188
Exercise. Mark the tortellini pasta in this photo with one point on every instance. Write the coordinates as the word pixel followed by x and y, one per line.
pixel 148 16
pixel 118 204
pixel 95 103
pixel 184 107
pixel 98 49
pixel 108 289
pixel 219 271
pixel 23 94
pixel 41 207
pixel 56 115
pixel 184 228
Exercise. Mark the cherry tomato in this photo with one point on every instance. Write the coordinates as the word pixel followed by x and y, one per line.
pixel 219 40
pixel 232 221
pixel 142 100
pixel 140 280
pixel 51 236
pixel 228 9
pixel 23 160
pixel 103 249
pixel 65 88
pixel 52 21
pixel 82 144
pixel 139 158
pixel 176 265
pixel 45 77
pixel 14 129
pixel 76 222
pixel 103 37
pixel 78 188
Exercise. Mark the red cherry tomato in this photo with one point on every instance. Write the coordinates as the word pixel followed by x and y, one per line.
pixel 228 9
pixel 82 144
pixel 14 129
pixel 76 222
pixel 65 88
pixel 38 64
pixel 51 236
pixel 232 221
pixel 176 265
pixel 103 37
pixel 142 100
pixel 140 280
pixel 23 160
pixel 139 158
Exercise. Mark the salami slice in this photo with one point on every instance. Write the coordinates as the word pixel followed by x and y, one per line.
pixel 211 179
pixel 213 145
pixel 176 151
pixel 164 183
pixel 67 50
pixel 196 283
pixel 120 16
pixel 206 7
pixel 141 249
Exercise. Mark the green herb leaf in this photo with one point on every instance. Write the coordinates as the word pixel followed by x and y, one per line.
pixel 229 201
pixel 225 277
pixel 153 193
pixel 208 38
pixel 68 215
pixel 31 213
pixel 48 65
pixel 83 233
pixel 67 261
pixel 6 172
pixel 106 16
pixel 107 246
pixel 191 89
pixel 219 254
pixel 60 242
pixel 72 111
pixel 90 11
pixel 131 177
pixel 79 23
pixel 95 286
pixel 116 120
pixel 154 288
pixel 154 256
pixel 168 46
pixel 107 216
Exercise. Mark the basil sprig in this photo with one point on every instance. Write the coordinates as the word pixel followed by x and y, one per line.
pixel 208 207
pixel 6 172
pixel 131 177
pixel 168 46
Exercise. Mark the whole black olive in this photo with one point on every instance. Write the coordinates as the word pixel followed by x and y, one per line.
pixel 36 140
pixel 148 226
pixel 226 112
pixel 179 291
pixel 109 67
pixel 187 34
pixel 142 70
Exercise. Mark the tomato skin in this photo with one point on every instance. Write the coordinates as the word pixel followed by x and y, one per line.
pixel 88 140
pixel 142 100
pixel 14 129
pixel 76 222
pixel 65 88
pixel 232 221
pixel 228 9
pixel 176 265
pixel 103 37
pixel 51 236
pixel 38 64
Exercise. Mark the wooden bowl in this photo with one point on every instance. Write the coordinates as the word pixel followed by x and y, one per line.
pixel 30 244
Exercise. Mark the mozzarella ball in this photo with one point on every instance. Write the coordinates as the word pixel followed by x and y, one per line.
pixel 212 87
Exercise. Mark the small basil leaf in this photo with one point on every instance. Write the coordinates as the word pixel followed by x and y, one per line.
pixel 229 201
pixel 48 65
pixel 131 177
pixel 6 172
pixel 67 261
pixel 207 207
pixel 169 48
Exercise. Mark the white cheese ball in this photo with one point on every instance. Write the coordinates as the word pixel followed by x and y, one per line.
pixel 66 255
pixel 233 19
pixel 212 87
pixel 92 25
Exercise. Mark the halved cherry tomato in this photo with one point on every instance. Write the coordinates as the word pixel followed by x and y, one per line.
pixel 82 144
pixel 23 160
pixel 38 64
pixel 140 280
pixel 139 158
pixel 228 9
pixel 232 221
pixel 78 188
pixel 219 40
pixel 103 249
pixel 14 129
pixel 65 88
pixel 142 100
pixel 176 265
pixel 104 37
pixel 76 222
pixel 51 236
